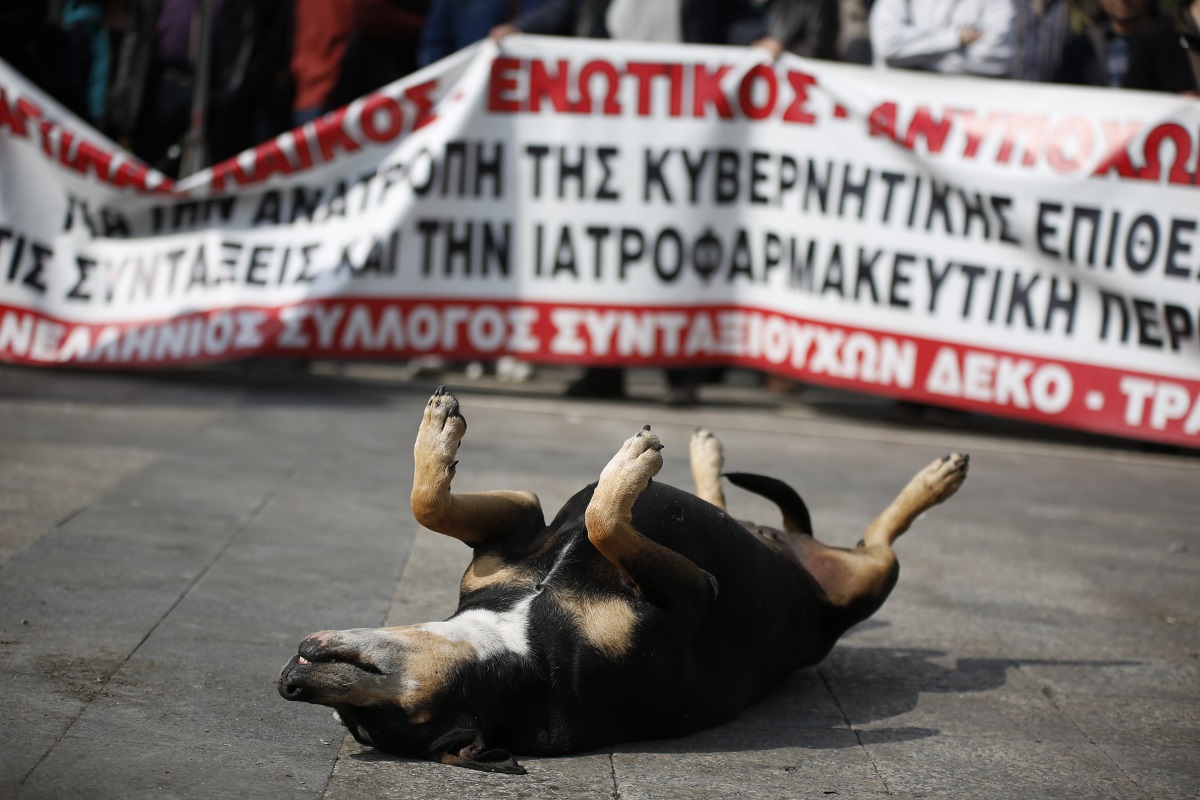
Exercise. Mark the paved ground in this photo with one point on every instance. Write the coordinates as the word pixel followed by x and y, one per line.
pixel 166 541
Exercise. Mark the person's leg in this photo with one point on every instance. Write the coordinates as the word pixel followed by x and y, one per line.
pixel 599 382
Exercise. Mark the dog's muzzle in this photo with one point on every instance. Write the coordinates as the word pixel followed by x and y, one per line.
pixel 291 680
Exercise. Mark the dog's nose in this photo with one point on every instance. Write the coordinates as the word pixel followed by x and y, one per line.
pixel 292 689
pixel 291 686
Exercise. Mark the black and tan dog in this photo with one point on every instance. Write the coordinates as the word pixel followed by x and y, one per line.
pixel 640 611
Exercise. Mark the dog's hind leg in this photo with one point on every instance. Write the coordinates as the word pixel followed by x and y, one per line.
pixel 472 518
pixel 933 485
pixel 860 579
pixel 663 576
pixel 707 457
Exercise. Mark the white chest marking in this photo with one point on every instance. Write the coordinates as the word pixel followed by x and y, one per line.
pixel 493 633
pixel 490 633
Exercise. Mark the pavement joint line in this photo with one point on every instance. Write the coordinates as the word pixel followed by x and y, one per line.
pixel 337 759
pixel 348 741
pixel 1017 665
pixel 853 729
pixel 187 590
pixel 840 431
pixel 46 530
pixel 70 515
pixel 612 769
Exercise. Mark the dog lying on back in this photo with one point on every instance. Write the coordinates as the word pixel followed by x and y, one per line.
pixel 641 611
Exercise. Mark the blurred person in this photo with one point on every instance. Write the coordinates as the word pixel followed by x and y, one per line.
pixel 1165 56
pixel 1042 30
pixel 320 34
pixel 452 25
pixel 88 56
pixel 36 44
pixel 737 22
pixel 954 37
pixel 382 46
pixel 250 90
pixel 22 24
pixel 854 43
pixel 150 95
pixel 807 28
pixel 1099 55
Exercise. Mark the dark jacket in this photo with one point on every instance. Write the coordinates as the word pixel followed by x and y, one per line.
pixel 807 28
pixel 131 71
pixel 704 21
pixel 1085 58
pixel 1165 57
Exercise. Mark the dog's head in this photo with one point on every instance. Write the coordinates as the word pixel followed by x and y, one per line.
pixel 396 689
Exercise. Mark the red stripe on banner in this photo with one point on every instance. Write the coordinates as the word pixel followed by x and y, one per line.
pixel 1050 391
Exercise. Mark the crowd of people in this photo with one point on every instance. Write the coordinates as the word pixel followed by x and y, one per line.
pixel 131 67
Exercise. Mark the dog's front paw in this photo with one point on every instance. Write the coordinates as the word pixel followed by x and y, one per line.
pixel 638 460
pixel 442 429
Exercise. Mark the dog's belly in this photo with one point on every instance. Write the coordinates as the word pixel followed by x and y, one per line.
pixel 623 671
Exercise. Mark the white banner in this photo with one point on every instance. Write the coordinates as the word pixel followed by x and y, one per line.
pixel 1016 249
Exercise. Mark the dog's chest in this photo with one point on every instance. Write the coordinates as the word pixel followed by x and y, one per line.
pixel 562 594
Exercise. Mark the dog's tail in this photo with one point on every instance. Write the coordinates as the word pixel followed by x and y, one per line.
pixel 795 513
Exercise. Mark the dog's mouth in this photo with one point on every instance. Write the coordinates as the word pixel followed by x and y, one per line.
pixel 325 658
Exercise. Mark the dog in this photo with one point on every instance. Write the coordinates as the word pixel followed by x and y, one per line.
pixel 640 612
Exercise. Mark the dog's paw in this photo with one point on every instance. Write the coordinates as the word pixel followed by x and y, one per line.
pixel 642 452
pixel 707 453
pixel 638 460
pixel 442 427
pixel 941 479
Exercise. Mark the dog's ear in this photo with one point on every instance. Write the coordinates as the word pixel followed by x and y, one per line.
pixel 463 747
pixel 476 756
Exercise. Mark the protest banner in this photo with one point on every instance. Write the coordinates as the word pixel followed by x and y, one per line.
pixel 1022 250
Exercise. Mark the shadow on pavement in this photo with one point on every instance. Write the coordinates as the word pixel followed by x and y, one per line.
pixel 827 707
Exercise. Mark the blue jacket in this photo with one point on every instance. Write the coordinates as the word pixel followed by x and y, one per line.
pixel 451 25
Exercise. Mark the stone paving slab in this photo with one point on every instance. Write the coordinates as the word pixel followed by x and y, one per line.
pixel 166 540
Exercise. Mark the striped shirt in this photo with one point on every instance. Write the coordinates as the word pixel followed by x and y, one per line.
pixel 1042 28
